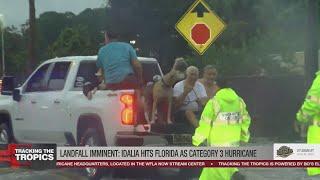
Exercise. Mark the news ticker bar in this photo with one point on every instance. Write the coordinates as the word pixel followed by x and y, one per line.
pixel 188 163
pixel 51 156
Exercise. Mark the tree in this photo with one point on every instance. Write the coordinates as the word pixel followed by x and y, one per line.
pixel 95 20
pixel 49 26
pixel 152 25
pixel 261 36
pixel 72 42
pixel 16 52
pixel 32 40
pixel 257 31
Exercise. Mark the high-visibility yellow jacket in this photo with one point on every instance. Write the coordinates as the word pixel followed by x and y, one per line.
pixel 224 121
pixel 310 110
pixel 309 113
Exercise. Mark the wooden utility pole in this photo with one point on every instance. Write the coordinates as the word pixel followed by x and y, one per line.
pixel 311 51
pixel 32 37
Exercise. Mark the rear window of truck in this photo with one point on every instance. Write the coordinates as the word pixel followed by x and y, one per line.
pixel 150 69
pixel 86 73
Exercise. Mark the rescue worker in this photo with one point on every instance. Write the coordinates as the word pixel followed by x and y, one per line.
pixel 224 123
pixel 309 114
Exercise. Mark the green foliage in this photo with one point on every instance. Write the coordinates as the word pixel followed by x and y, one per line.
pixel 151 24
pixel 15 48
pixel 256 30
pixel 50 24
pixel 58 34
pixel 81 33
pixel 72 42
pixel 261 35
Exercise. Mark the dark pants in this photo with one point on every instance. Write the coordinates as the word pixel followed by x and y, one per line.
pixel 129 82
pixel 180 117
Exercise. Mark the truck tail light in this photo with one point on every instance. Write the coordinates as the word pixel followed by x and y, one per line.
pixel 127 114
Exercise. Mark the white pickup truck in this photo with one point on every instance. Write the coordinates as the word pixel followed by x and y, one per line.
pixel 49 107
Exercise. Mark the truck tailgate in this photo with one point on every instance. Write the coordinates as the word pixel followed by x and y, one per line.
pixel 175 134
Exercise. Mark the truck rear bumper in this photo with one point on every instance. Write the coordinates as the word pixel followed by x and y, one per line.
pixel 140 139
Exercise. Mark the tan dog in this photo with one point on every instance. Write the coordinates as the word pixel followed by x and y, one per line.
pixel 163 92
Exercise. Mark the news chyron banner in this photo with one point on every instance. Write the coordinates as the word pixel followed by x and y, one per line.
pixel 50 156
pixel 174 157
pixel 255 156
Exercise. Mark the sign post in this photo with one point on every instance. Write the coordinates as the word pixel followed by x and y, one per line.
pixel 2 25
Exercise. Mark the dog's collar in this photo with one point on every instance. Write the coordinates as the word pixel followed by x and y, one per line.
pixel 164 83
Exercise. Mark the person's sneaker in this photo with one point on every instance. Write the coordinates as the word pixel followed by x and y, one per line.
pixel 238 176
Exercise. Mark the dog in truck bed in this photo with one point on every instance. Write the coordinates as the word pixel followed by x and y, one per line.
pixel 162 93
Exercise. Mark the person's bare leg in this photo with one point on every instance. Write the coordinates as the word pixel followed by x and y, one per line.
pixel 169 121
pixel 153 112
pixel 191 117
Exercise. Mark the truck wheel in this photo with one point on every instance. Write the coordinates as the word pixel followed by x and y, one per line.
pixel 91 137
pixel 5 134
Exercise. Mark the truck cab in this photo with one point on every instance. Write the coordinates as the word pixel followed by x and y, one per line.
pixel 49 107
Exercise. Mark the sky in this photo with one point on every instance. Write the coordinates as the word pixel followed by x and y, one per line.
pixel 16 12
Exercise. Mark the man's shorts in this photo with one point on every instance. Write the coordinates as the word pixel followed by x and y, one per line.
pixel 180 118
pixel 129 82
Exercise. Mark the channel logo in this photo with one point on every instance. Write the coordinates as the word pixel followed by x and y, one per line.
pixel 284 151
pixel 35 156
pixel 8 156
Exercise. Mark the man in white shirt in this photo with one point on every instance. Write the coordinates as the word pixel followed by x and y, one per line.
pixel 189 97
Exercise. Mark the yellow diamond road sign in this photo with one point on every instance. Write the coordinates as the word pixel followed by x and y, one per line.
pixel 200 26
